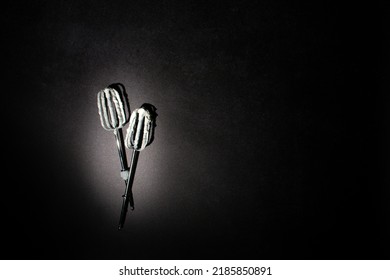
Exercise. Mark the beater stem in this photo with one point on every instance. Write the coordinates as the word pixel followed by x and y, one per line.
pixel 128 194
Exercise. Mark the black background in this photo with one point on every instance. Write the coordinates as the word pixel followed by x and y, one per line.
pixel 271 138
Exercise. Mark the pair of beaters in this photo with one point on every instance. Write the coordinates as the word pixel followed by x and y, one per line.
pixel 114 110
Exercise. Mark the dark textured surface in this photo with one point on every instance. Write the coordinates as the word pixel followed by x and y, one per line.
pixel 270 140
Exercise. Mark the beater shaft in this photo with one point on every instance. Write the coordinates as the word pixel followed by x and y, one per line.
pixel 128 197
pixel 120 144
pixel 122 156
